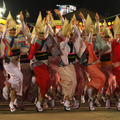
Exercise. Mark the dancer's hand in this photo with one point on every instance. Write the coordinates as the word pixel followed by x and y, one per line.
pixel 21 17
pixel 97 17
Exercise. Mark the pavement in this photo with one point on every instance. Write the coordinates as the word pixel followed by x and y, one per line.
pixel 82 113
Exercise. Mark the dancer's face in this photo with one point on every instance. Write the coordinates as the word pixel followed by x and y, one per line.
pixel 40 36
pixel 118 36
pixel 12 32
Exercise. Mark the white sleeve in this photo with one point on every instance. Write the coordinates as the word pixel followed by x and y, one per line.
pixel 90 38
pixel 98 27
pixel 4 33
pixel 28 34
pixel 62 20
pixel 76 29
pixel 23 27
pixel 50 29
pixel 65 42
pixel 46 29
pixel 84 21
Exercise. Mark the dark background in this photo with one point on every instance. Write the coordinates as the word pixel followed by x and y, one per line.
pixel 103 7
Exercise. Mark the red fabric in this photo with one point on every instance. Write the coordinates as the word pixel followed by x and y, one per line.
pixel 116 51
pixel 42 78
pixel 110 84
pixel 55 77
pixel 116 58
pixel 60 39
pixel 81 79
pixel 90 51
pixel 97 77
pixel 33 49
pixel 117 74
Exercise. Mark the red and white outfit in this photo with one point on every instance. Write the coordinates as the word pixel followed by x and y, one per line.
pixel 40 69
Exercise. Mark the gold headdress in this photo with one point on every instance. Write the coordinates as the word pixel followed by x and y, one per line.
pixel 39 25
pixel 65 26
pixel 88 23
pixel 116 25
pixel 107 32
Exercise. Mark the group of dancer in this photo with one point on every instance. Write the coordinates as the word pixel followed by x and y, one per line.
pixel 67 62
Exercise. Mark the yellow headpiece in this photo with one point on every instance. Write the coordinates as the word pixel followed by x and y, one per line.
pixel 39 19
pixel 116 25
pixel 74 17
pixel 52 23
pixel 9 17
pixel 88 23
pixel 39 25
pixel 67 27
pixel 12 25
pixel 64 27
pixel 107 32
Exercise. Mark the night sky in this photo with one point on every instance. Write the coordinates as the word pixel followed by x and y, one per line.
pixel 104 7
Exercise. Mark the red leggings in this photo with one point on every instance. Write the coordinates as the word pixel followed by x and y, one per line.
pixel 117 74
pixel 42 78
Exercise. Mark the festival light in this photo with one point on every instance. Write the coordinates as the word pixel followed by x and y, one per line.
pixel 109 23
pixel 110 27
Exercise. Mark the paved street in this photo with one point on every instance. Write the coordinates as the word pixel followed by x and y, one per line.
pixel 82 113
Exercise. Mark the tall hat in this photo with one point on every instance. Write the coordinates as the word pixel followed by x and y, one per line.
pixel 94 27
pixel 12 23
pixel 39 25
pixel 53 22
pixel 9 17
pixel 88 23
pixel 107 32
pixel 116 25
pixel 39 19
pixel 74 17
pixel 70 26
pixel 65 26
